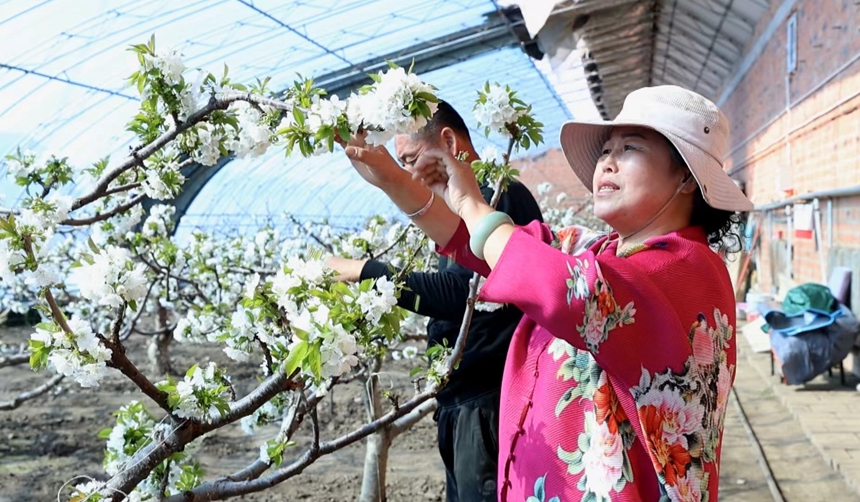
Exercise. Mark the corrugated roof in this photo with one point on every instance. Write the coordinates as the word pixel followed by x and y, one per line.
pixel 627 44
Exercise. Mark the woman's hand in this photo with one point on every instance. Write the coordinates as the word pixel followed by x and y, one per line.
pixel 450 178
pixel 373 163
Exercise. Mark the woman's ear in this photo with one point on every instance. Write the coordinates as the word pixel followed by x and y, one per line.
pixel 689 183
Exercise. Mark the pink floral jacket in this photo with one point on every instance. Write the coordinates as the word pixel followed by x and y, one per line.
pixel 617 378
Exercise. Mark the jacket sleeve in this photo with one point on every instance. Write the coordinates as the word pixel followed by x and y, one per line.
pixel 604 304
pixel 441 295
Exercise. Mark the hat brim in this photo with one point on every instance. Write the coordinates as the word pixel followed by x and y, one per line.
pixel 582 142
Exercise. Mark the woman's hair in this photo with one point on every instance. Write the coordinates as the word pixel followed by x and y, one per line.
pixel 723 228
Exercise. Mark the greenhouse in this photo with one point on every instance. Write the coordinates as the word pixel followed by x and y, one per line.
pixel 459 250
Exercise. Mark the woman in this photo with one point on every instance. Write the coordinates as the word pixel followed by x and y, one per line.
pixel 618 376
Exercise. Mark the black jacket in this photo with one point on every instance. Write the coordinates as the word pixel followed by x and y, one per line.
pixel 442 297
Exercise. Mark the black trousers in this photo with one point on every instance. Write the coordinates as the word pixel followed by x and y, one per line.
pixel 469 445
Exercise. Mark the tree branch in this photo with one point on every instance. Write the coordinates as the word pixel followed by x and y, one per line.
pixel 223 488
pixel 187 431
pixel 14 359
pixel 143 152
pixel 120 361
pixel 72 222
pixel 406 422
pixel 122 188
pixel 32 394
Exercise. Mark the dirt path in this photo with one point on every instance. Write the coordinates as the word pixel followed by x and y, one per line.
pixel 54 438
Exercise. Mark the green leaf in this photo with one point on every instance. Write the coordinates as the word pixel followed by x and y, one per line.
pixel 315 361
pixel 392 65
pixel 299 115
pixel 426 96
pixel 295 357
pixel 92 245
pixel 415 371
pixel 105 433
pixel 191 371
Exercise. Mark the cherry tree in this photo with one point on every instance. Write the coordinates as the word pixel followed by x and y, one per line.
pixel 95 266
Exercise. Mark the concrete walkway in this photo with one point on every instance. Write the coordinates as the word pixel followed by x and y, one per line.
pixel 824 411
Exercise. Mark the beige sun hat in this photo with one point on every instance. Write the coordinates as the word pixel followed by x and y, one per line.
pixel 695 125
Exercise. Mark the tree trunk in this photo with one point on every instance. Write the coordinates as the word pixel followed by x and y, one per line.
pixel 159 356
pixel 378 443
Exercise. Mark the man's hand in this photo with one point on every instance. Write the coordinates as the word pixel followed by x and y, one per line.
pixel 347 270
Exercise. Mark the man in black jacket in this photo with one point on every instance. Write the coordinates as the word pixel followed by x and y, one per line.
pixel 468 414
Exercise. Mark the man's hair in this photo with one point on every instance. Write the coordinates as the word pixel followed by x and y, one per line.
pixel 445 116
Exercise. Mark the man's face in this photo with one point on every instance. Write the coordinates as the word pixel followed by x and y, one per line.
pixel 408 148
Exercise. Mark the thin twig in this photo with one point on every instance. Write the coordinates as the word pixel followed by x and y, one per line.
pixel 391 246
pixel 122 188
pixel 72 222
pixel 310 234
pixel 114 335
pixel 268 355
pixel 133 325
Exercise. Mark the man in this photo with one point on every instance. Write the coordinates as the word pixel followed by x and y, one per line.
pixel 468 414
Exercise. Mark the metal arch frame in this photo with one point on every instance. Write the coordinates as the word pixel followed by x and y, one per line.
pixel 434 54
pixel 502 28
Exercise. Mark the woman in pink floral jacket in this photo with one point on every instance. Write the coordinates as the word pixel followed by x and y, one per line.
pixel 617 378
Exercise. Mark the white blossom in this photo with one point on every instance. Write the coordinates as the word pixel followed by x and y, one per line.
pixel 496 111
pixel 208 148
pixel 491 154
pixel 254 137
pixel 9 258
pixel 110 278
pixel 251 286
pixel 47 219
pixel 544 188
pixel 325 112
pixel 378 301
pixel 159 221
pixel 168 62
pixel 77 354
pixel 154 186
pixel 384 110
pixel 201 381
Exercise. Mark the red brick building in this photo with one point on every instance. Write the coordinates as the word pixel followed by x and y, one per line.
pixel 795 133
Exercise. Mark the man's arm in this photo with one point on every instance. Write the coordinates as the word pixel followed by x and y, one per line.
pixel 440 295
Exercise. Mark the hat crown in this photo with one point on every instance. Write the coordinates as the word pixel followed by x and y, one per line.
pixel 675 110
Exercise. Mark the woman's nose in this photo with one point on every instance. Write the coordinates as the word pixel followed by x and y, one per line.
pixel 608 163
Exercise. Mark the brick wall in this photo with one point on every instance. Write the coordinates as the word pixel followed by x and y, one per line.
pixel 812 147
pixel 552 167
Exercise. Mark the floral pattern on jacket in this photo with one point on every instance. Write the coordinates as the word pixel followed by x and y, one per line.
pixel 682 414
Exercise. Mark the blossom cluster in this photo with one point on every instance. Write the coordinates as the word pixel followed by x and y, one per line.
pixel 203 394
pixel 76 353
pixel 110 277
pixel 397 103
pixel 495 109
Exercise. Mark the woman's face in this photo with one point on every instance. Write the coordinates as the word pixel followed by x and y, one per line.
pixel 634 178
